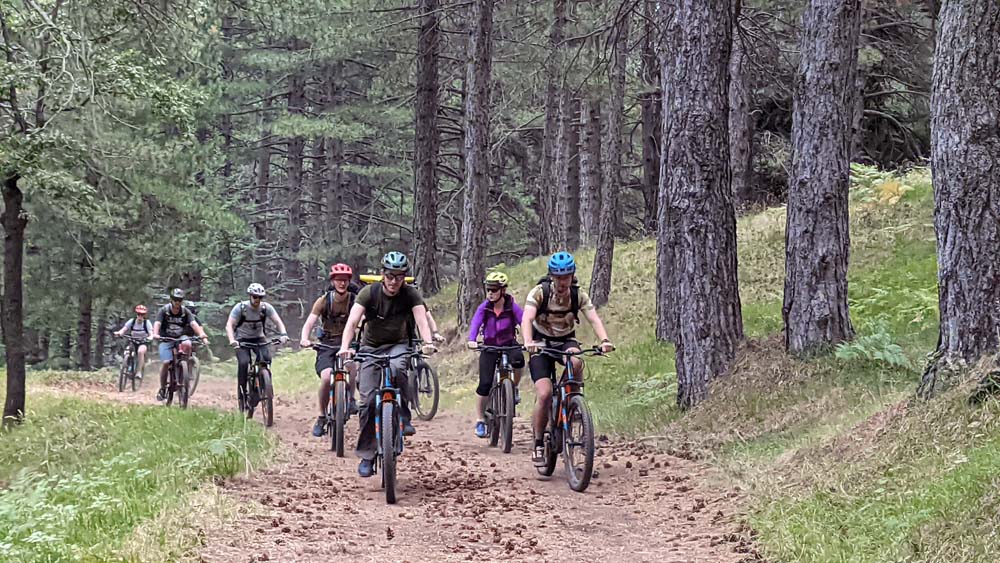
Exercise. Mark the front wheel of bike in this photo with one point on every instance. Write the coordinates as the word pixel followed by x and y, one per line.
pixel 266 397
pixel 578 444
pixel 122 376
pixel 424 390
pixel 183 391
pixel 505 416
pixel 340 416
pixel 389 428
pixel 195 373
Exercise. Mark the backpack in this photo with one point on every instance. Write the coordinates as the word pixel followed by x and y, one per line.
pixel 243 316
pixel 330 295
pixel 574 297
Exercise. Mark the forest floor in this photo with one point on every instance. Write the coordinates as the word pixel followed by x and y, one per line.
pixel 460 500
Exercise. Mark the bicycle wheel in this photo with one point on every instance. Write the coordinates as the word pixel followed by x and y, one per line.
pixel 266 397
pixel 505 416
pixel 493 416
pixel 389 427
pixel 182 385
pixel 340 417
pixel 578 444
pixel 426 391
pixel 171 386
pixel 136 376
pixel 123 375
pixel 195 374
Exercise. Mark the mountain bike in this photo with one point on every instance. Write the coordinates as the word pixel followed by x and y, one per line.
pixel 500 411
pixel 260 390
pixel 570 429
pixel 127 374
pixel 337 408
pixel 178 378
pixel 388 424
pixel 422 379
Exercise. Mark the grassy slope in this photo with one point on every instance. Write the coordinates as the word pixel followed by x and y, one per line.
pixel 79 476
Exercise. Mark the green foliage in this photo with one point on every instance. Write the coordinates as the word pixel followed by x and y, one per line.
pixel 877 346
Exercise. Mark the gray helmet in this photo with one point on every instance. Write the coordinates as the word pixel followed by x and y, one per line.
pixel 256 290
pixel 177 294
pixel 395 261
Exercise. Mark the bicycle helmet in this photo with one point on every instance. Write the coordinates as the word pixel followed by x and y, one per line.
pixel 496 279
pixel 395 261
pixel 256 290
pixel 561 264
pixel 341 270
pixel 140 309
pixel 177 294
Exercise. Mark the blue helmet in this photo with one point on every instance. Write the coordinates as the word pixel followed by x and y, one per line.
pixel 395 261
pixel 561 264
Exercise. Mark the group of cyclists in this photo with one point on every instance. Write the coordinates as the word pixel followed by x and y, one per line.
pixel 393 315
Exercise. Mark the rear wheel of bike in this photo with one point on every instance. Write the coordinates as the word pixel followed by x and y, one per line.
pixel 183 391
pixel 195 374
pixel 505 415
pixel 266 397
pixel 425 390
pixel 578 444
pixel 390 427
pixel 340 416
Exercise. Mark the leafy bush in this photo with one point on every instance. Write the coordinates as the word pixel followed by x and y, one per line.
pixel 877 347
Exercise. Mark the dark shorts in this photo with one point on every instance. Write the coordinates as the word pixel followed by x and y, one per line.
pixel 326 358
pixel 487 365
pixel 543 365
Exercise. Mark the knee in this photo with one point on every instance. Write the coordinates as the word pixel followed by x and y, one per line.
pixel 544 396
pixel 483 390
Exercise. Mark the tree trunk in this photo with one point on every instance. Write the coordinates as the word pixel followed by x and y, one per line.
pixel 294 275
pixel 571 217
pixel 590 170
pixel 560 189
pixel 101 340
pixel 817 241
pixel 696 149
pixel 425 151
pixel 965 150
pixel 260 270
pixel 477 160
pixel 547 194
pixel 600 280
pixel 651 105
pixel 14 221
pixel 740 122
pixel 85 323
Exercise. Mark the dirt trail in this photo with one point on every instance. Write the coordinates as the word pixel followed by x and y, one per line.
pixel 460 500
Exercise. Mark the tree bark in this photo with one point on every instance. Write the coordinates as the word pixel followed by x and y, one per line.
pixel 696 172
pixel 600 280
pixel 590 170
pixel 740 122
pixel 101 341
pixel 546 195
pixel 294 271
pixel 15 220
pixel 84 328
pixel 477 160
pixel 560 189
pixel 261 198
pixel 425 151
pixel 651 108
pixel 571 215
pixel 817 240
pixel 965 152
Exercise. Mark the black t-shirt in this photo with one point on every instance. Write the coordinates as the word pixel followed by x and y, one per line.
pixel 388 320
pixel 172 324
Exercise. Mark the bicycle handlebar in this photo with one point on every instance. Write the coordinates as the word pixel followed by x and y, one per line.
pixel 485 348
pixel 258 345
pixel 380 357
pixel 595 351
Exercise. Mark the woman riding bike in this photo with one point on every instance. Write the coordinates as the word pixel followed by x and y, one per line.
pixel 498 318
pixel 138 328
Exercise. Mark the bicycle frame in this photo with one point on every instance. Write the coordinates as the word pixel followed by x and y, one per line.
pixel 387 392
pixel 567 384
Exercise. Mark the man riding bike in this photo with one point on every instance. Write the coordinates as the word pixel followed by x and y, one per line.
pixel 498 318
pixel 246 324
pixel 138 328
pixel 171 321
pixel 551 313
pixel 333 307
pixel 390 309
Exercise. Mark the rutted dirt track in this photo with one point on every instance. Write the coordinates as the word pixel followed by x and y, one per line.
pixel 460 500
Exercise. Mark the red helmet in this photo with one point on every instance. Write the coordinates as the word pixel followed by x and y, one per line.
pixel 140 309
pixel 341 270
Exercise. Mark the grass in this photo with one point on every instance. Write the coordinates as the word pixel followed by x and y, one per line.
pixel 80 475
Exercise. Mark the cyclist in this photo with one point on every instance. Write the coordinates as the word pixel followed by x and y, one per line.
pixel 498 318
pixel 138 328
pixel 246 324
pixel 551 313
pixel 171 321
pixel 333 308
pixel 438 338
pixel 390 309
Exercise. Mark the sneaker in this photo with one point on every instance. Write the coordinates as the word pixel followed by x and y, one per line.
pixel 408 429
pixel 320 427
pixel 481 429
pixel 517 396
pixel 538 456
pixel 366 468
pixel 161 395
pixel 352 407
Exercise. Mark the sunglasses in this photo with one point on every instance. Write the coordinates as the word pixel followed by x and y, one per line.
pixel 394 277
pixel 492 290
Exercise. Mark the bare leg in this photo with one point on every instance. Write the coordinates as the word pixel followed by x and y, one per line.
pixel 324 390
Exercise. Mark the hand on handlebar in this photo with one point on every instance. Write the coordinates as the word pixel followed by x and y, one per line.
pixel 234 344
pixel 305 343
pixel 282 338
pixel 438 338
pixel 428 349
pixel 472 345
pixel 346 353
pixel 534 347
pixel 606 346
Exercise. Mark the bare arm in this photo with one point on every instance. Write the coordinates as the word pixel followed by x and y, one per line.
pixel 597 323
pixel 156 330
pixel 231 329
pixel 527 329
pixel 423 327
pixel 357 311
pixel 306 329
pixel 431 323
pixel 198 330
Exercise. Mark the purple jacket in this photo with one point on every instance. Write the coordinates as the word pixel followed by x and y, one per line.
pixel 497 330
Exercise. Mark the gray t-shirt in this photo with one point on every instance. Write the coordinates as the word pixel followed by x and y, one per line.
pixel 253 319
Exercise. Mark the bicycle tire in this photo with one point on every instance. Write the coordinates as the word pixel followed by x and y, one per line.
pixel 122 376
pixel 389 428
pixel 267 397
pixel 195 375
pixel 425 403
pixel 136 376
pixel 171 378
pixel 182 387
pixel 506 416
pixel 493 416
pixel 578 446
pixel 340 417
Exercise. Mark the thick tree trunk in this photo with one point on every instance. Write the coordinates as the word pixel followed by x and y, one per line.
pixel 590 170
pixel 14 221
pixel 817 241
pixel 651 106
pixel 560 225
pixel 101 341
pixel 260 269
pixel 965 152
pixel 740 122
pixel 600 280
pixel 294 275
pixel 477 160
pixel 85 295
pixel 425 151
pixel 696 149
pixel 547 194
pixel 571 215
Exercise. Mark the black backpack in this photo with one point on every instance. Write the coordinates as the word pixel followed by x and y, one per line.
pixel 243 316
pixel 328 308
pixel 574 297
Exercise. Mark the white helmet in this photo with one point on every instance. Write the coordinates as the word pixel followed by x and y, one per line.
pixel 256 290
